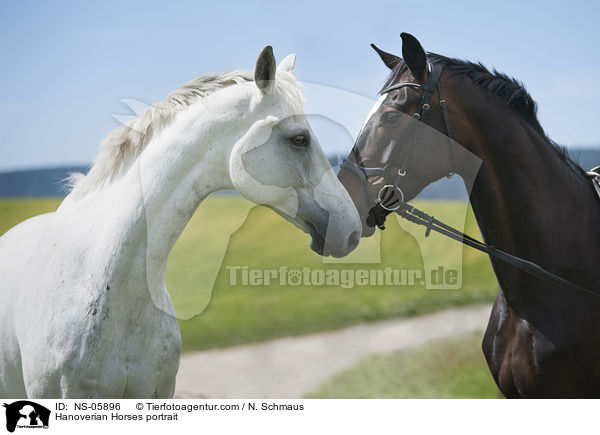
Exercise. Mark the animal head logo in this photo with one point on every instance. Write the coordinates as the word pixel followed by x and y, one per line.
pixel 26 414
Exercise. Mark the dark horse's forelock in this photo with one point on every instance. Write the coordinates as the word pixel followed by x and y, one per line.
pixel 510 90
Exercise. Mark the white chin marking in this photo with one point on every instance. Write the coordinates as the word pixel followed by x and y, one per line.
pixel 373 110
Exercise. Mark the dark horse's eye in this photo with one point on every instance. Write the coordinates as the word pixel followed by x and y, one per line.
pixel 300 140
pixel 391 117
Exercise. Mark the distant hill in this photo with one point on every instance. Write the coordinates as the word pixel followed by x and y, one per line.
pixel 586 158
pixel 50 181
pixel 37 182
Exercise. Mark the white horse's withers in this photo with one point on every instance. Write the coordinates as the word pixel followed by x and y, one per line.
pixel 85 311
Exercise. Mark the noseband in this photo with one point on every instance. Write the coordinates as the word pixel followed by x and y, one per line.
pixel 387 197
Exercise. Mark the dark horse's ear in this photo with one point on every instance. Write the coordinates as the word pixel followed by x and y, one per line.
pixel 414 56
pixel 264 73
pixel 390 60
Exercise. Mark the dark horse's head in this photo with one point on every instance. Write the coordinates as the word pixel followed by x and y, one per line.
pixel 404 143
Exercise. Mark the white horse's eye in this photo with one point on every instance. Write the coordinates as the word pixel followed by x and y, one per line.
pixel 300 140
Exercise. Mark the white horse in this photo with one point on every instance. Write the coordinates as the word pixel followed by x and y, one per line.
pixel 85 311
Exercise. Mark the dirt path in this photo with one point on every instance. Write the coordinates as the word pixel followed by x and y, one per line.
pixel 295 366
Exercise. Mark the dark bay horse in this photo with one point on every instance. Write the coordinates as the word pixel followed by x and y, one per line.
pixel 528 197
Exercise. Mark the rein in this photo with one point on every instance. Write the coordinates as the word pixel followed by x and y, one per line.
pixel 419 217
pixel 386 202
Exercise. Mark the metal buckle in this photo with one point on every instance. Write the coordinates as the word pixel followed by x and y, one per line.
pixel 380 195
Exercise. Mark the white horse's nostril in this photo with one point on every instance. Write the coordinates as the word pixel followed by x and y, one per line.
pixel 353 240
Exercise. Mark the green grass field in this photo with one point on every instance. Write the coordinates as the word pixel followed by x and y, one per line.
pixel 235 314
pixel 453 368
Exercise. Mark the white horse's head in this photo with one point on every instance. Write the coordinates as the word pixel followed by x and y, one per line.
pixel 279 162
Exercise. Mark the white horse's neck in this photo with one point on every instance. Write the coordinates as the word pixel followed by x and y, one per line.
pixel 150 205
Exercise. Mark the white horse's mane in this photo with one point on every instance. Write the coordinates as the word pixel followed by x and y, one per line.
pixel 124 144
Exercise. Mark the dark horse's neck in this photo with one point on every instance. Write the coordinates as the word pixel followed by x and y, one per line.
pixel 530 201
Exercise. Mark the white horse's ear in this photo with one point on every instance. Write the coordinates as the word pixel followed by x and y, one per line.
pixel 264 73
pixel 288 63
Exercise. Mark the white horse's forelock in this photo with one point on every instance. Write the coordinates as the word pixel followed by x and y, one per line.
pixel 124 144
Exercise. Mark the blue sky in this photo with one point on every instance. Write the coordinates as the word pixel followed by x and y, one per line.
pixel 67 65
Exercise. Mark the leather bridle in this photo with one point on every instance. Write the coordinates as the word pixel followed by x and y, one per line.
pixel 387 197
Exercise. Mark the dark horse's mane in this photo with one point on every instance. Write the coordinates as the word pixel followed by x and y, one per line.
pixel 507 88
